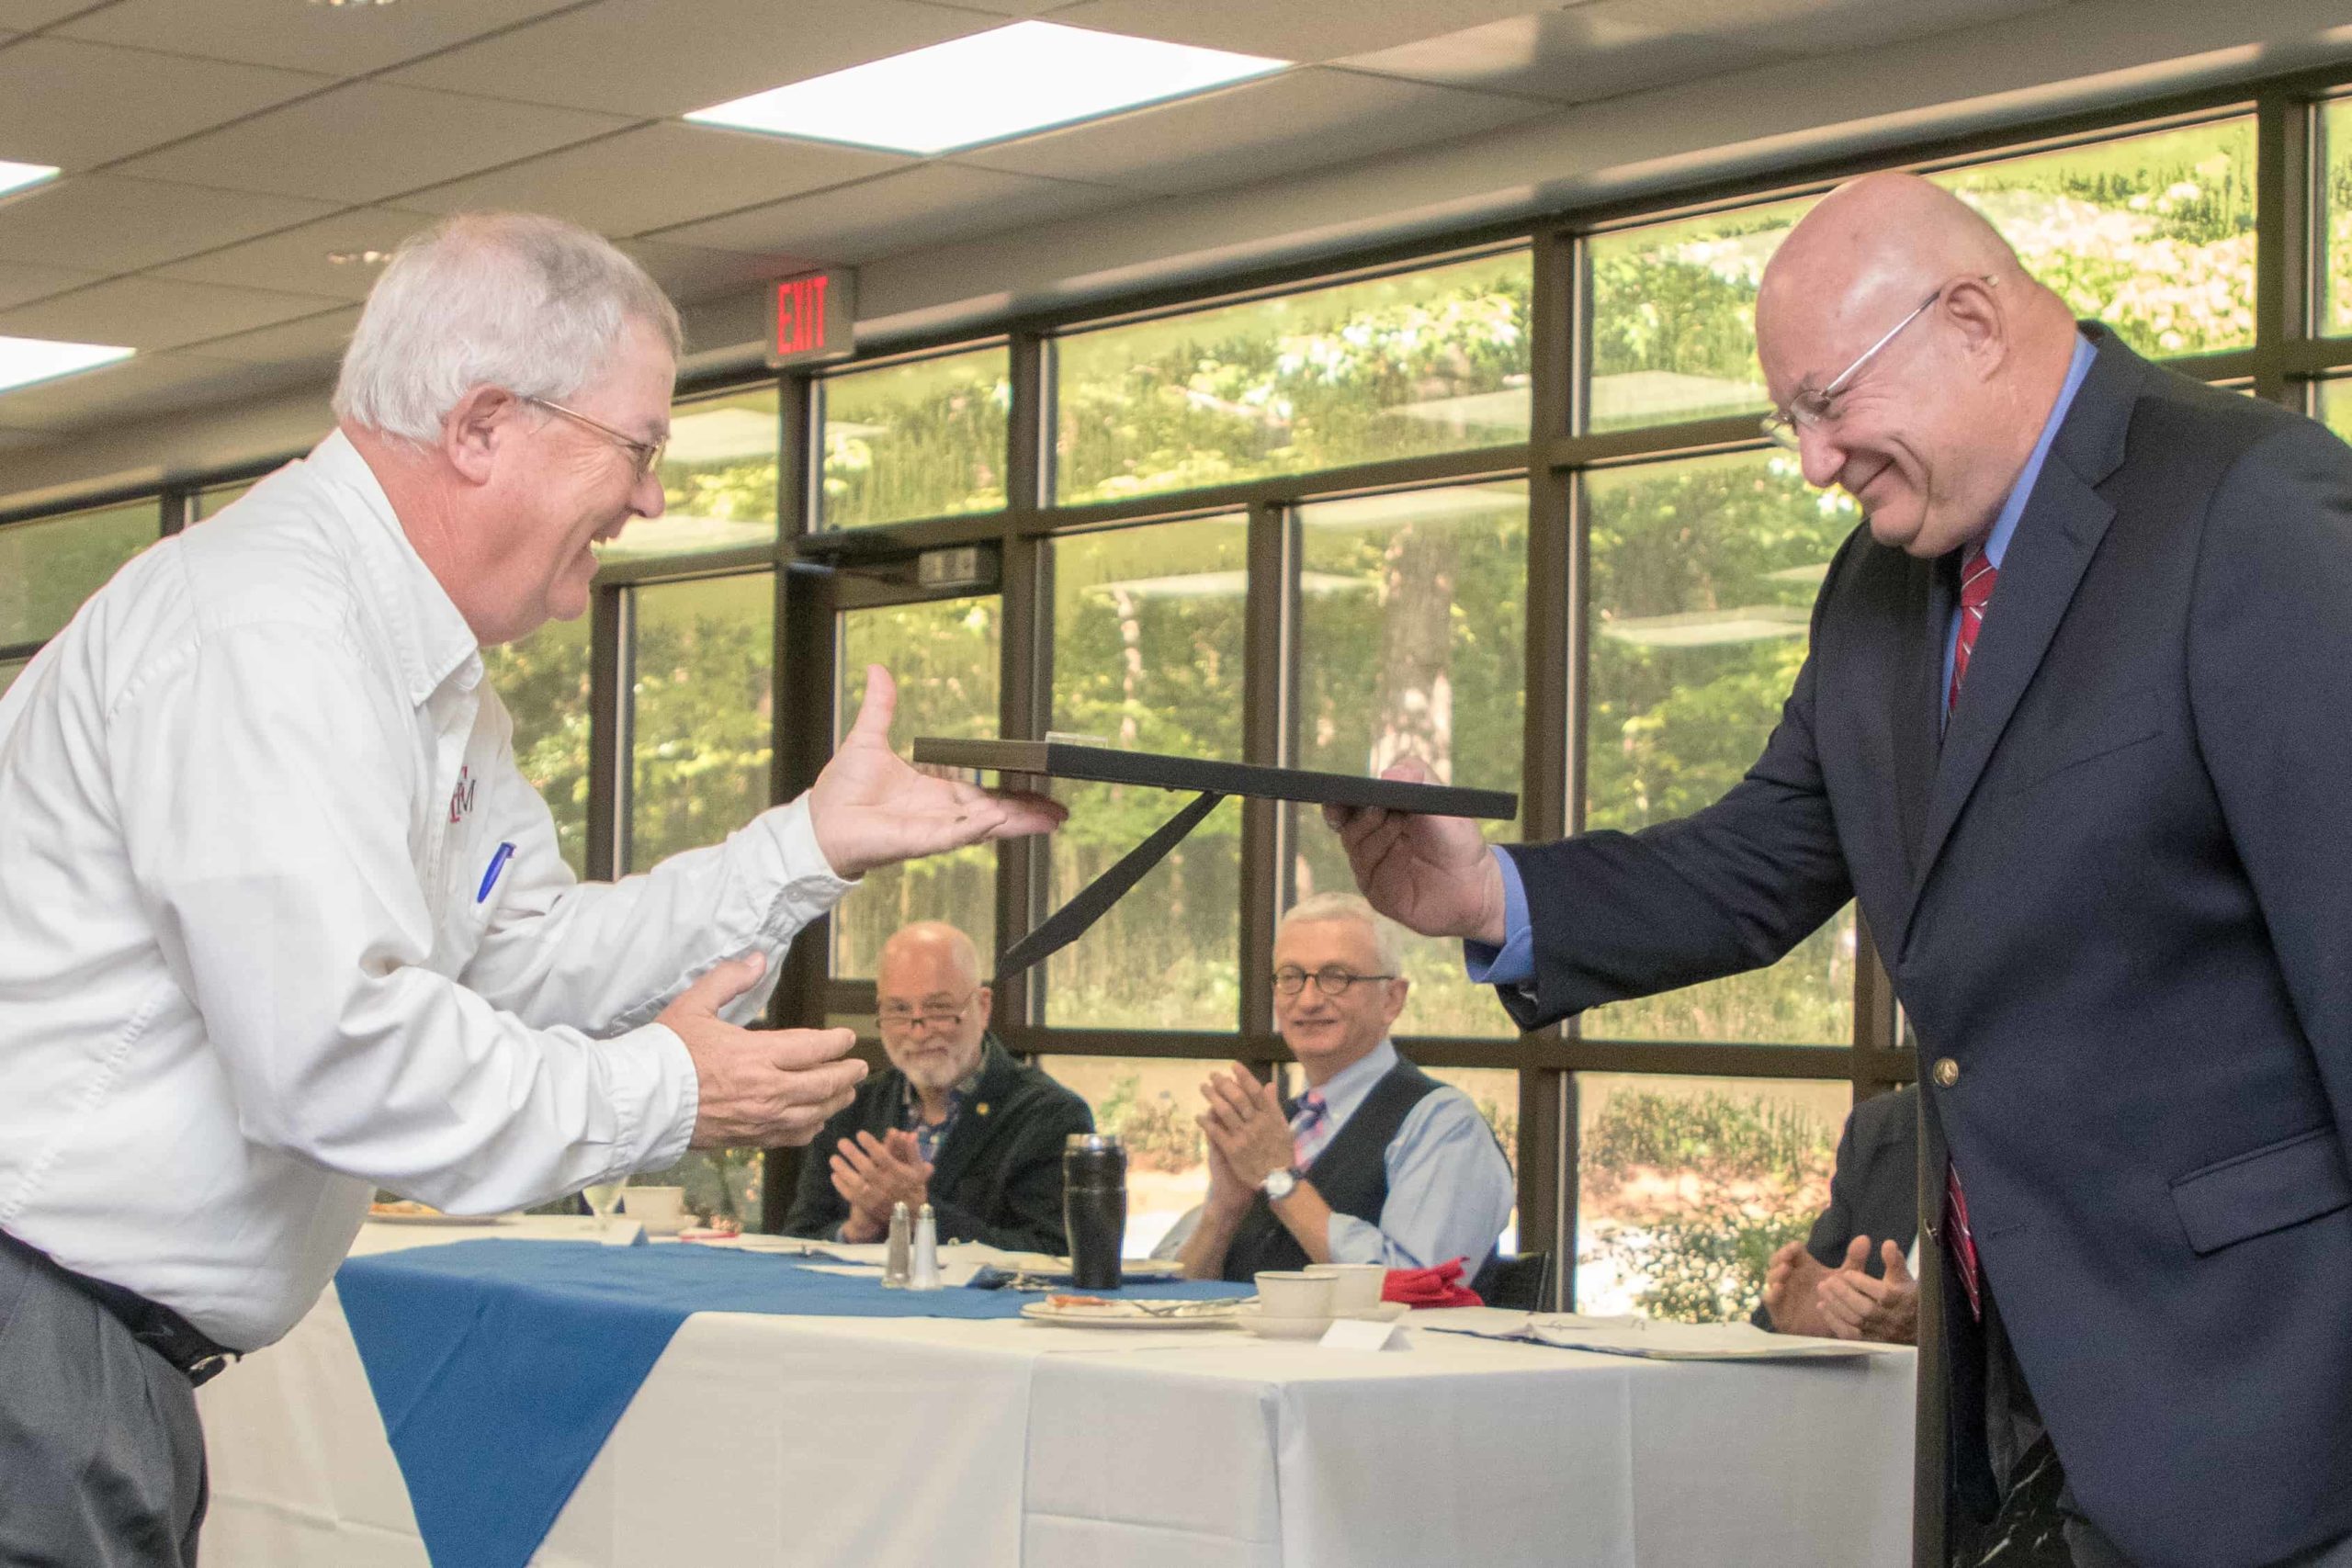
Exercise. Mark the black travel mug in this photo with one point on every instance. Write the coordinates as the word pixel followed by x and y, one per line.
pixel 1094 1208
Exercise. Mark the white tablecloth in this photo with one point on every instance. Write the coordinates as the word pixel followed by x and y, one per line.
pixel 880 1441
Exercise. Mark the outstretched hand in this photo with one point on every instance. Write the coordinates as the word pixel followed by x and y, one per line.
pixel 871 809
pixel 1432 874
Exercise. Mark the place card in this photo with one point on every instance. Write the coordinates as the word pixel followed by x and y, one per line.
pixel 1365 1333
pixel 623 1232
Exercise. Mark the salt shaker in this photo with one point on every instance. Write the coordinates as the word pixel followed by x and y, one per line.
pixel 925 1276
pixel 896 1261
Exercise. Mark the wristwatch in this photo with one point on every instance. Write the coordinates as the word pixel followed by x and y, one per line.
pixel 1280 1184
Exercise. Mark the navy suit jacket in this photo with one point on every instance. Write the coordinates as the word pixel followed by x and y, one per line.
pixel 2116 898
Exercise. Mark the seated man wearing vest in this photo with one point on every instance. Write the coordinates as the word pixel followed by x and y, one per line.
pixel 1376 1162
pixel 956 1122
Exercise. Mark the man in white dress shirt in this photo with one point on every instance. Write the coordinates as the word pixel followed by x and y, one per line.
pixel 280 922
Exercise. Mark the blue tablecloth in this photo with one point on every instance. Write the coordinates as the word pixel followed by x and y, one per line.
pixel 500 1366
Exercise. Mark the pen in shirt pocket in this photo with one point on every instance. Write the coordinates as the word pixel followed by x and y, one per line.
pixel 489 878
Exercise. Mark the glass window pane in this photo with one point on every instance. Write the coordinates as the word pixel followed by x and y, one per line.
pixel 9 670
pixel 2336 407
pixel 48 567
pixel 1149 1102
pixel 926 439
pixel 1411 640
pixel 1428 361
pixel 1703 576
pixel 1674 316
pixel 543 680
pixel 1147 644
pixel 700 693
pixel 943 656
pixel 1685 1186
pixel 206 503
pixel 719 480
pixel 2335 228
pixel 2151 234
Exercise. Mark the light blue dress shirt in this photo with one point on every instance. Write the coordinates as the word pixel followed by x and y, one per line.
pixel 1450 1190
pixel 1513 963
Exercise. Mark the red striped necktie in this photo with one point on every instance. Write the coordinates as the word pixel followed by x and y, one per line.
pixel 1977 577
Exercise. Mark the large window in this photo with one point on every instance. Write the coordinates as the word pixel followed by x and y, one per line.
pixel 1427 361
pixel 1704 575
pixel 699 693
pixel 2336 406
pixel 543 680
pixel 924 439
pixel 2335 312
pixel 719 480
pixel 49 566
pixel 1411 622
pixel 943 654
pixel 1147 637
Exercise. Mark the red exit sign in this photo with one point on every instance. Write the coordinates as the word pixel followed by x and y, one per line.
pixel 813 316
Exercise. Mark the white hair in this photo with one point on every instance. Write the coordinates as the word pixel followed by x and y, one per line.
pixel 1387 941
pixel 511 299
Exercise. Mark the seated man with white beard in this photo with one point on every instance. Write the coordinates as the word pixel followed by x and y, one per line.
pixel 956 1122
pixel 1376 1162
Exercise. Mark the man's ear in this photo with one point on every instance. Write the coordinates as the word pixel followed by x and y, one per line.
pixel 1973 306
pixel 986 999
pixel 471 434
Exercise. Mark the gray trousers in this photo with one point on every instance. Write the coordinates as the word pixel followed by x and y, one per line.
pixel 101 1458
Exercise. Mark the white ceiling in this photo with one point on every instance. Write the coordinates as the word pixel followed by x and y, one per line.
pixel 216 152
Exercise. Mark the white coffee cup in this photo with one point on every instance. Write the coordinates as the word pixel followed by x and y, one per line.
pixel 1355 1287
pixel 1289 1293
pixel 660 1210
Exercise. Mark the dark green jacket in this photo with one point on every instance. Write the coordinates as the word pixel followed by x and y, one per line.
pixel 998 1178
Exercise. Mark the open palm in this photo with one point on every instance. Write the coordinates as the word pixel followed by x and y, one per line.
pixel 871 809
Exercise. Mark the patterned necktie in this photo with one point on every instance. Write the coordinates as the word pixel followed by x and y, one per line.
pixel 1977 577
pixel 1310 1129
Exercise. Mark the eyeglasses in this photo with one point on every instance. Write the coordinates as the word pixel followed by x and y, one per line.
pixel 646 454
pixel 899 1020
pixel 1331 980
pixel 1811 409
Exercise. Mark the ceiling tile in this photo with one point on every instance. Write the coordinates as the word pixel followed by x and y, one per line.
pixel 689 273
pixel 295 261
pixel 341 41
pixel 1574 56
pixel 24 16
pixel 1304 30
pixel 926 205
pixel 107 224
pixel 1806 29
pixel 19 284
pixel 653 57
pixel 76 104
pixel 148 386
pixel 1300 120
pixel 659 175
pixel 368 141
pixel 152 313
pixel 314 341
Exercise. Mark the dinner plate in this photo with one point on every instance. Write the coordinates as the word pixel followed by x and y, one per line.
pixel 1136 1314
pixel 375 1217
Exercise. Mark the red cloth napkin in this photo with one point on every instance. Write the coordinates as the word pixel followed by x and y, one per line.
pixel 1437 1287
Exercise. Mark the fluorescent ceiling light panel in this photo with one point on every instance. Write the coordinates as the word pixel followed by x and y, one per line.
pixel 17 176
pixel 25 360
pixel 987 87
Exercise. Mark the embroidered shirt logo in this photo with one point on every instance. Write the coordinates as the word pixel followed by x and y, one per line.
pixel 461 799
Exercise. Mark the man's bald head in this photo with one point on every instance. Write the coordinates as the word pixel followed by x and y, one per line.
pixel 1929 435
pixel 935 942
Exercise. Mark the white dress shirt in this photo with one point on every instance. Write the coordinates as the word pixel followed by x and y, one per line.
pixel 252 965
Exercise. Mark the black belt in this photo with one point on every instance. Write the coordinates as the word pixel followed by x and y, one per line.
pixel 157 1326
